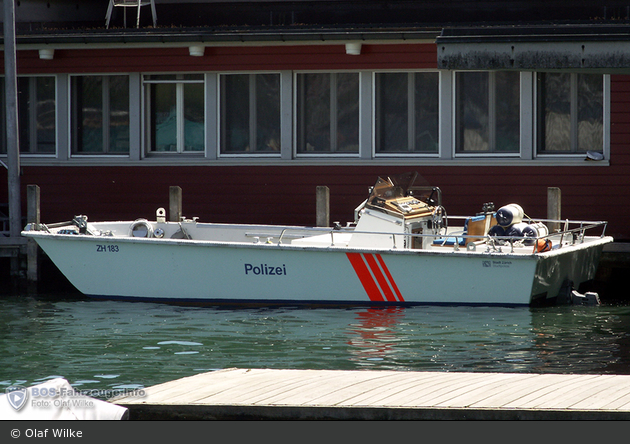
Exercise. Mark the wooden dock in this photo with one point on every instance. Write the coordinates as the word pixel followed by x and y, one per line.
pixel 269 394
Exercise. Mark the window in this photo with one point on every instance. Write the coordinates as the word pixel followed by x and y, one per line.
pixel 175 105
pixel 441 116
pixel 570 113
pixel 487 112
pixel 328 113
pixel 407 112
pixel 37 115
pixel 250 113
pixel 100 114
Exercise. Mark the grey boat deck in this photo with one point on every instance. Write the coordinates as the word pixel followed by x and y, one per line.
pixel 378 395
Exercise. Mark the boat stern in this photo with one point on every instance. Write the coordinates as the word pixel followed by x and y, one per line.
pixel 560 271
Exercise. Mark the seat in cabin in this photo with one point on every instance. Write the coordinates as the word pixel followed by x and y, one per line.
pixel 473 226
pixel 130 4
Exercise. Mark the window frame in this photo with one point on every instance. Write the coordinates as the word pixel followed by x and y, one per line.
pixel 333 152
pixel 252 130
pixel 139 111
pixel 571 154
pixel 492 120
pixel 106 118
pixel 180 119
pixel 32 129
pixel 411 114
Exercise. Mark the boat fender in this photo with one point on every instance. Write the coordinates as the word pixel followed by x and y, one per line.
pixel 141 228
pixel 534 230
pixel 496 230
pixel 509 215
pixel 516 230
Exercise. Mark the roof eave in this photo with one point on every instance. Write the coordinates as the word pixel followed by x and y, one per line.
pixel 211 37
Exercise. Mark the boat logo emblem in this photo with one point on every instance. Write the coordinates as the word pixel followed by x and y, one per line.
pixel 17 396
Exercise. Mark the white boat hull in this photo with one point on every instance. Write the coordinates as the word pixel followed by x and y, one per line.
pixel 402 249
pixel 232 272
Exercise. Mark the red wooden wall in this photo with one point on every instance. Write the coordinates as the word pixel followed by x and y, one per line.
pixel 305 57
pixel 286 194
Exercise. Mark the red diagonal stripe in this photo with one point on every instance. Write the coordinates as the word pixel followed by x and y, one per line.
pixel 378 274
pixel 390 278
pixel 365 276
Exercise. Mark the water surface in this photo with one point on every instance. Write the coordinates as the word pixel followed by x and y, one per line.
pixel 104 345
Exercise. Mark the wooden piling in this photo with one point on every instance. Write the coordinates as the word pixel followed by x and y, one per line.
pixel 175 204
pixel 554 203
pixel 322 206
pixel 32 249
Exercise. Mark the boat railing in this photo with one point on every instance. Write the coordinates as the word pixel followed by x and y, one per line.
pixel 310 230
pixel 571 233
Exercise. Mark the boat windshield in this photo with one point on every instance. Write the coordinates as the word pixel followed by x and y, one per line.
pixel 392 187
pixel 389 188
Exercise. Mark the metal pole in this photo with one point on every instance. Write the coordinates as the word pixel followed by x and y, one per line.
pixel 13 146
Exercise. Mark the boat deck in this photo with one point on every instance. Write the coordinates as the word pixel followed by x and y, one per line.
pixel 384 395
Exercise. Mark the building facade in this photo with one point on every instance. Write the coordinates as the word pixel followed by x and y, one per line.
pixel 248 119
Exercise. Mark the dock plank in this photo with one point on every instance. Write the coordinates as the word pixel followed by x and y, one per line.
pixel 347 388
pixel 586 391
pixel 620 399
pixel 548 388
pixel 282 385
pixel 388 391
pixel 520 390
pixel 467 395
pixel 427 396
pixel 337 389
pixel 606 399
pixel 558 394
pixel 295 393
pixel 182 390
pixel 372 394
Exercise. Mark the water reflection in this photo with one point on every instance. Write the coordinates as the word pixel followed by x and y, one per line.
pixel 444 338
pixel 375 335
pixel 582 340
pixel 109 344
pixel 550 340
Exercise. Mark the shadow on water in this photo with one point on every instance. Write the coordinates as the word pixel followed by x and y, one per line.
pixel 126 345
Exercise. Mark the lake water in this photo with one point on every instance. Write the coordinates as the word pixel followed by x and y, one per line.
pixel 113 345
